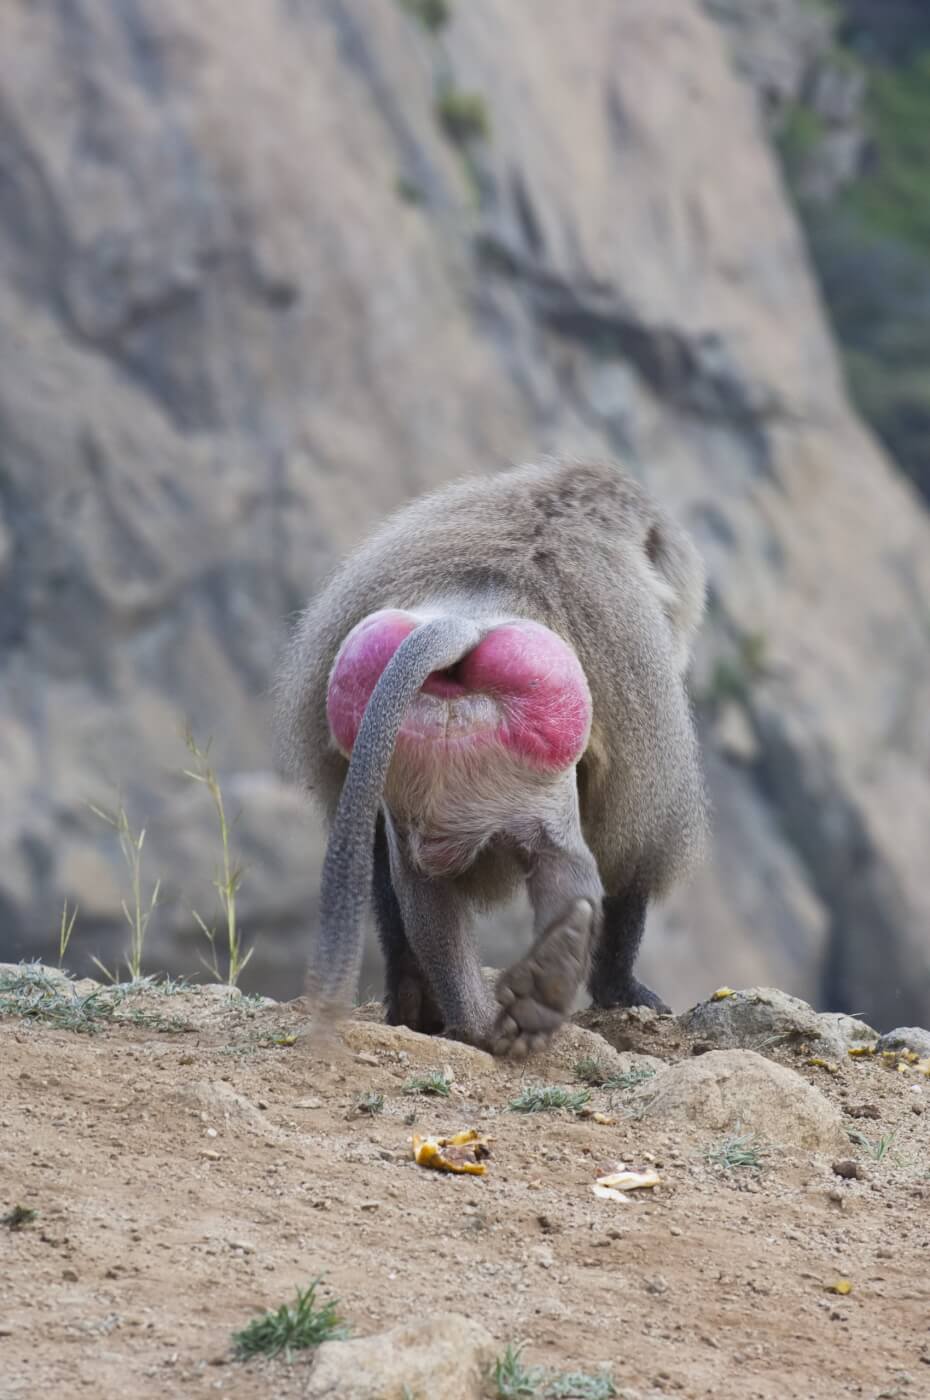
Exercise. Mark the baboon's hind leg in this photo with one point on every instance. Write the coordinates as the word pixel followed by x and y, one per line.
pixel 538 992
pixel 611 981
pixel 408 997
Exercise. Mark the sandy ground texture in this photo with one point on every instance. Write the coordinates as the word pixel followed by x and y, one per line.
pixel 190 1164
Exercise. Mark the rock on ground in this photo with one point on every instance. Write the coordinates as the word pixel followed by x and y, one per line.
pixel 907 1038
pixel 738 1090
pixel 761 1016
pixel 447 1356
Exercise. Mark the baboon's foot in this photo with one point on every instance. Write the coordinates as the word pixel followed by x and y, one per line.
pixel 410 1001
pixel 480 1035
pixel 634 993
pixel 537 993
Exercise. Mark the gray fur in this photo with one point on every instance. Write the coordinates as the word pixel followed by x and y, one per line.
pixel 584 550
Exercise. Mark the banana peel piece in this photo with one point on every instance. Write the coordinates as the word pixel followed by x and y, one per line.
pixel 612 1185
pixel 463 1152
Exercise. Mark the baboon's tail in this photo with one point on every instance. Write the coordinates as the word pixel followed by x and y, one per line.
pixel 347 869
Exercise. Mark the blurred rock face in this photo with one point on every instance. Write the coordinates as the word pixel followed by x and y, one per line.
pixel 259 285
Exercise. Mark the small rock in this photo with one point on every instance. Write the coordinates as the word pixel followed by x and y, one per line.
pixel 726 1089
pixel 69 1275
pixel 448 1355
pixel 864 1110
pixel 309 1103
pixel 912 1038
pixel 210 1155
pixel 759 1014
pixel 850 1169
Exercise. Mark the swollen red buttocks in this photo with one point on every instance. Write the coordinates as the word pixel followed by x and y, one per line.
pixel 542 706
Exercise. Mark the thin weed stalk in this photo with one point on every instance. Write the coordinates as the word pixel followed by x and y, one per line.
pixel 130 844
pixel 65 930
pixel 229 876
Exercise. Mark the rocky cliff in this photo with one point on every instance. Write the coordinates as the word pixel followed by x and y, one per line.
pixel 261 281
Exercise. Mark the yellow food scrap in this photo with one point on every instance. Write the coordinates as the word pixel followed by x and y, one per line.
pixel 818 1062
pixel 923 1067
pixel 722 993
pixel 594 1116
pixel 857 1050
pixel 841 1286
pixel 463 1152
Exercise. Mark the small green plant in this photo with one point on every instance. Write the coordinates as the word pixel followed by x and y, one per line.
pixel 511 1378
pixel 432 14
pixel 434 1083
pixel 877 1148
pixel 369 1104
pixel 593 1073
pixel 590 1071
pixel 514 1381
pixel 65 930
pixel 130 844
pixel 581 1385
pixel 228 878
pixel 544 1098
pixel 18 1216
pixel 630 1078
pixel 291 1329
pixel 736 1150
pixel 463 116
pixel 30 992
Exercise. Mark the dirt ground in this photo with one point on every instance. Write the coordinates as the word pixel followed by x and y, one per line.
pixel 187 1170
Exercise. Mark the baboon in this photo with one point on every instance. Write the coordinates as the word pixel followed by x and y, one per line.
pixel 492 690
